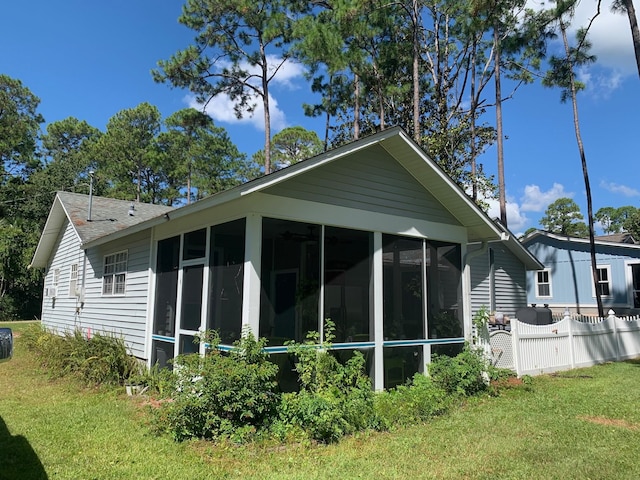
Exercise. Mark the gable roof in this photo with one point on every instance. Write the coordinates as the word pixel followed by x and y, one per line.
pixel 108 215
pixel 618 238
pixel 531 237
pixel 396 143
pixel 400 147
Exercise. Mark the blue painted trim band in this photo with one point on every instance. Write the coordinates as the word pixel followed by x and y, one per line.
pixel 344 346
pixel 162 338
pixel 433 341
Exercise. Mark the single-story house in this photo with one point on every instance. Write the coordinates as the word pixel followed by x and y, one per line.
pixel 372 235
pixel 567 281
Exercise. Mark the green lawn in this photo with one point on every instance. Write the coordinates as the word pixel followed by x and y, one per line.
pixel 581 424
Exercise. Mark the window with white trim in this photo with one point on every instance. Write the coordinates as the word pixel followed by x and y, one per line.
pixel 543 283
pixel 73 279
pixel 604 280
pixel 115 273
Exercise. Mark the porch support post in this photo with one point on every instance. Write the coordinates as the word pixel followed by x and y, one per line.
pixel 251 283
pixel 466 294
pixel 378 309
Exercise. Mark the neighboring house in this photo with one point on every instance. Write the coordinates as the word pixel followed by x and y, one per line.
pixel 372 235
pixel 499 274
pixel 567 281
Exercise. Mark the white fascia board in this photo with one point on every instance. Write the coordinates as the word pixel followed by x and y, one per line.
pixel 50 233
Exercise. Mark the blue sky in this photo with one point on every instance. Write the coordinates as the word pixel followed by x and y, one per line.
pixel 90 60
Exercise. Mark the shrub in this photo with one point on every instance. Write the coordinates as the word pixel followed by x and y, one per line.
pixel 468 373
pixel 409 404
pixel 100 359
pixel 334 399
pixel 223 395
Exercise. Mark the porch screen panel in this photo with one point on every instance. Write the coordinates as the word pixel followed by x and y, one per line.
pixel 167 264
pixel 444 290
pixel 348 282
pixel 191 297
pixel 403 284
pixel 227 277
pixel 401 364
pixel 290 280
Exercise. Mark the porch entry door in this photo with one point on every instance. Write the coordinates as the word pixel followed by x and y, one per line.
pixel 191 307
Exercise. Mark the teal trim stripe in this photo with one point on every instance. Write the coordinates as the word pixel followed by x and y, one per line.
pixel 162 338
pixel 434 341
pixel 348 346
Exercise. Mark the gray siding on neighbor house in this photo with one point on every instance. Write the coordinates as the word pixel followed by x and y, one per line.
pixel 380 186
pixel 122 315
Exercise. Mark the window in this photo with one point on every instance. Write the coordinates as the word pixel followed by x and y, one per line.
pixel 115 273
pixel 73 279
pixel 543 283
pixel 604 280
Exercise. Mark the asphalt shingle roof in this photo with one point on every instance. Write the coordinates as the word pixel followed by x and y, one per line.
pixel 108 215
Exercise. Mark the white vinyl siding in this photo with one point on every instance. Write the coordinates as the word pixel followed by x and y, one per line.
pixel 122 316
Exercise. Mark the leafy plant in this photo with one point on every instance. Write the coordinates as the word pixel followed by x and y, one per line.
pixel 417 402
pixel 223 394
pixel 465 374
pixel 334 399
pixel 99 359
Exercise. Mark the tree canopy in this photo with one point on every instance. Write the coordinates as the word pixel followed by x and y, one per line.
pixel 564 218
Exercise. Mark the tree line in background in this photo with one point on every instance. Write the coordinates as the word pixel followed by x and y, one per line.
pixel 563 217
pixel 435 68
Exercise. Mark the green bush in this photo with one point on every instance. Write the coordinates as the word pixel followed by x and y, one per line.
pixel 223 395
pixel 334 399
pixel 413 403
pixel 100 359
pixel 468 373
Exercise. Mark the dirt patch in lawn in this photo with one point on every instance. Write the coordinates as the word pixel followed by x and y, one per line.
pixel 611 422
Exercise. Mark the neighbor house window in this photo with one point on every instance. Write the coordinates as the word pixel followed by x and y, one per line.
pixel 543 283
pixel 115 273
pixel 604 280
pixel 73 279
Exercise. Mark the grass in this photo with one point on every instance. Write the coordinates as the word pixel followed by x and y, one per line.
pixel 580 424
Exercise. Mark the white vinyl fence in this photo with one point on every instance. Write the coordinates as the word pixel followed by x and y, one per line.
pixel 567 344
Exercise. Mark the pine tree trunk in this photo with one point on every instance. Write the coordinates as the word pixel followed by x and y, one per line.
pixel 635 33
pixel 267 115
pixel 585 172
pixel 416 73
pixel 500 136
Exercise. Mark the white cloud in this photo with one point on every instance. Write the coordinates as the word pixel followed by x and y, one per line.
pixel 610 36
pixel 535 200
pixel 620 189
pixel 221 107
pixel 516 220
